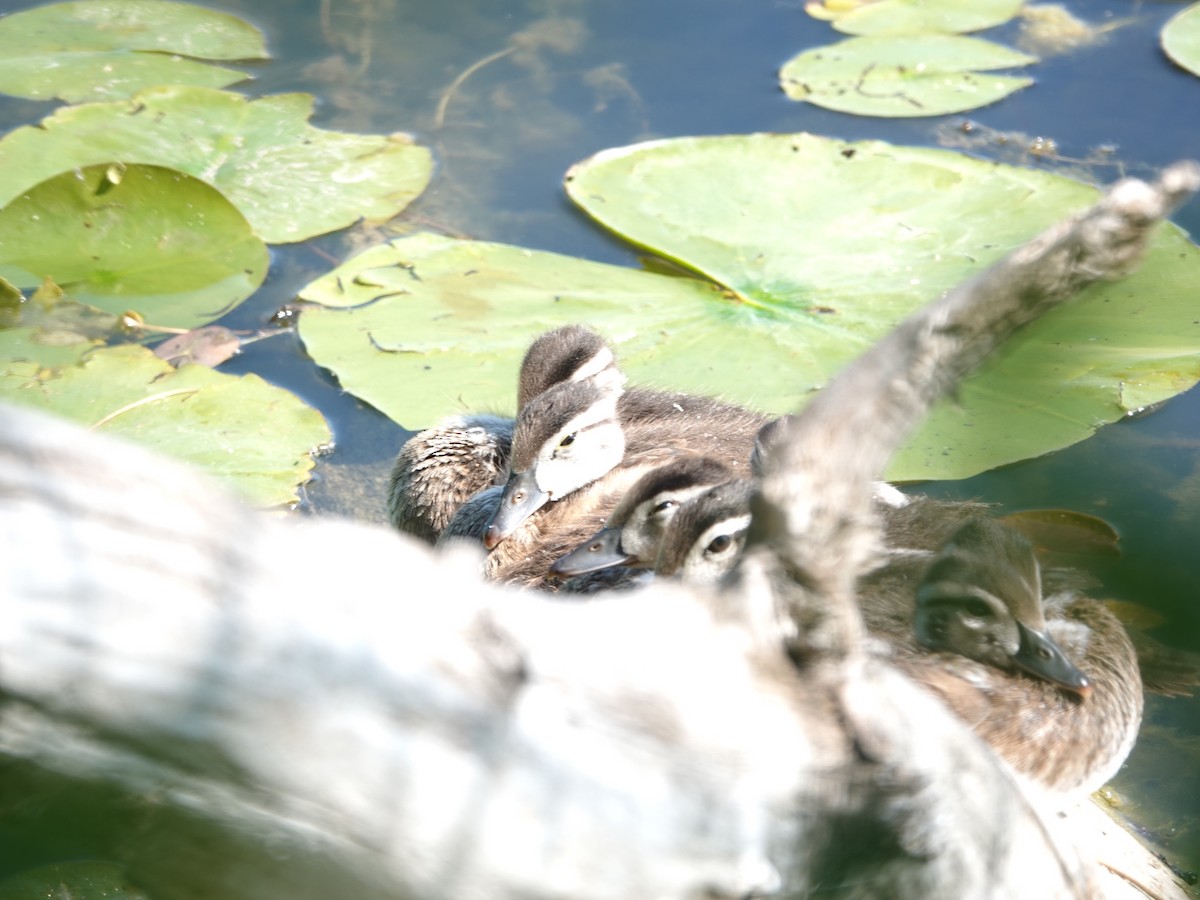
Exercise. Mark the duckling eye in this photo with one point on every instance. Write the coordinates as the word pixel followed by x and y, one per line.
pixel 978 609
pixel 719 544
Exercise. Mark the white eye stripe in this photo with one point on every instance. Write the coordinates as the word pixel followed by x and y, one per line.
pixel 594 366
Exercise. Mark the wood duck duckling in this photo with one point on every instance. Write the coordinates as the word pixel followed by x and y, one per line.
pixel 577 448
pixel 1054 688
pixel 573 434
pixel 1052 684
pixel 706 536
pixel 439 468
pixel 633 533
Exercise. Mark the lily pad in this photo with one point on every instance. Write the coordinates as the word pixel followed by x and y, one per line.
pixel 137 237
pixel 439 325
pixel 289 179
pixel 925 16
pixel 821 246
pixel 103 49
pixel 835 242
pixel 904 75
pixel 1181 38
pixel 255 436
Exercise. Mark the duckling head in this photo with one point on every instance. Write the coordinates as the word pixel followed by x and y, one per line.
pixel 565 438
pixel 982 598
pixel 707 534
pixel 634 532
pixel 570 353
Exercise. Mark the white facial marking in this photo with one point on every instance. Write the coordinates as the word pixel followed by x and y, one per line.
pixel 594 366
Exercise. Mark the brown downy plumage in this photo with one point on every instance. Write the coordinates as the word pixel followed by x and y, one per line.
pixel 440 468
pixel 1048 677
pixel 577 447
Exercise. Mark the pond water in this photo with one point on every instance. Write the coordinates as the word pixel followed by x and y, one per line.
pixel 541 84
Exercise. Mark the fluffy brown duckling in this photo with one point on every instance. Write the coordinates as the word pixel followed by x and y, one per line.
pixel 1049 678
pixel 577 447
pixel 440 468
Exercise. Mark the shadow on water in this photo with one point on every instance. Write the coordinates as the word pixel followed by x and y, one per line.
pixel 541 84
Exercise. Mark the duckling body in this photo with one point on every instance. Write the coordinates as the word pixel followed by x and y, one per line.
pixel 1051 684
pixel 439 468
pixel 577 447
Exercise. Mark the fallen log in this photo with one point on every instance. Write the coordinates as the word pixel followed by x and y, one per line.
pixel 267 708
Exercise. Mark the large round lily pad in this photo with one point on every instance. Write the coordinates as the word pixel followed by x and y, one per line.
pixel 904 75
pixel 101 49
pixel 835 242
pixel 1181 38
pixel 289 179
pixel 822 247
pixel 922 16
pixel 439 325
pixel 255 436
pixel 133 238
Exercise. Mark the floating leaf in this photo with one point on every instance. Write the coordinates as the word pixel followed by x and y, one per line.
pixel 254 435
pixel 291 180
pixel 159 241
pixel 103 49
pixel 821 246
pixel 446 322
pixel 924 16
pixel 1135 615
pixel 208 346
pixel 75 880
pixel 23 353
pixel 1181 39
pixel 903 76
pixel 831 243
pixel 1063 535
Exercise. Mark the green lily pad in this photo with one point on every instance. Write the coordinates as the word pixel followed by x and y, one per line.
pixel 1181 38
pixel 904 75
pixel 255 436
pixel 137 237
pixel 103 49
pixel 821 245
pixel 835 242
pixel 74 880
pixel 440 325
pixel 926 16
pixel 289 179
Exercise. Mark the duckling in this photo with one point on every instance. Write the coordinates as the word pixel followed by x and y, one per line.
pixel 634 530
pixel 1052 684
pixel 706 536
pixel 573 434
pixel 561 524
pixel 577 447
pixel 439 468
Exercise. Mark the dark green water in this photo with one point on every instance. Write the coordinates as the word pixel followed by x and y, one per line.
pixel 602 74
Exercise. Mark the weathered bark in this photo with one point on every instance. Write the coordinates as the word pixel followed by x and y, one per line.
pixel 278 709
